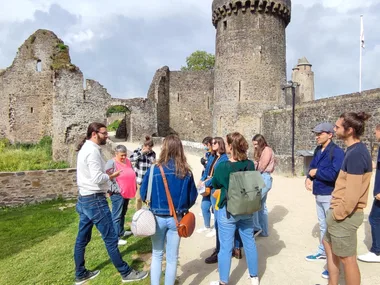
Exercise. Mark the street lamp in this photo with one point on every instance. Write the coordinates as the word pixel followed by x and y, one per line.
pixel 292 85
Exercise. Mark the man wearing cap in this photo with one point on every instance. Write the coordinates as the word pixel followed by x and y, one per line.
pixel 323 172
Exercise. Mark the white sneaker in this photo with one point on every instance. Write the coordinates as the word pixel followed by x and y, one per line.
pixel 369 257
pixel 127 234
pixel 214 283
pixel 202 230
pixel 255 280
pixel 121 242
pixel 212 233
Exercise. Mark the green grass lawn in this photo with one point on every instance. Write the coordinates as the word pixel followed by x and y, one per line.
pixel 22 157
pixel 37 244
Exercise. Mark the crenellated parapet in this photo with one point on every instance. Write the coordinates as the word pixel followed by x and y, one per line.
pixel 224 8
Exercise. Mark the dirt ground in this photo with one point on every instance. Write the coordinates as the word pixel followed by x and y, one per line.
pixel 294 233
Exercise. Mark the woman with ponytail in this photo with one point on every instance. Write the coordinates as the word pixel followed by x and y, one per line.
pixel 142 158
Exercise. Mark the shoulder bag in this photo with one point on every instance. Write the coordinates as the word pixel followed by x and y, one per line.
pixel 143 221
pixel 186 226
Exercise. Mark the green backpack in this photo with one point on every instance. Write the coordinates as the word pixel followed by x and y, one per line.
pixel 244 191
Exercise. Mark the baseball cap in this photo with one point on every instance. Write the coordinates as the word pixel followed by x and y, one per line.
pixel 324 128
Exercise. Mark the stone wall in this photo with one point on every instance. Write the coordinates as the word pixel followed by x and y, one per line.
pixel 115 117
pixel 74 108
pixel 20 188
pixel 191 103
pixel 277 123
pixel 26 88
pixel 142 118
pixel 158 95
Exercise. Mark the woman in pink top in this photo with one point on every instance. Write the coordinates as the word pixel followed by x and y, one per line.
pixel 121 189
pixel 264 162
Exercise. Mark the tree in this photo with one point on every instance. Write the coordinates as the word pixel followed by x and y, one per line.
pixel 199 60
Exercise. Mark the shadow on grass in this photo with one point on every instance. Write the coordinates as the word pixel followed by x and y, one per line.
pixel 137 246
pixel 23 227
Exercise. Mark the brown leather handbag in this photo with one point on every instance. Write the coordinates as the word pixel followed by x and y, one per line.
pixel 186 226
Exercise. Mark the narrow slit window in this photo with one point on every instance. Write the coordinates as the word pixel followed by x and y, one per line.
pixel 239 91
pixel 39 67
pixel 208 103
pixel 177 97
pixel 225 25
pixel 31 110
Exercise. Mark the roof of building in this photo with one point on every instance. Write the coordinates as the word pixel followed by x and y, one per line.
pixel 303 61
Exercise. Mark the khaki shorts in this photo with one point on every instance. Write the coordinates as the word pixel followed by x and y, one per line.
pixel 342 235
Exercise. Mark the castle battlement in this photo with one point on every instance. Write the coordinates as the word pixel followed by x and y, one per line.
pixel 224 8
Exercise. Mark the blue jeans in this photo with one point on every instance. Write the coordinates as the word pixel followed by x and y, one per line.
pixel 94 210
pixel 119 209
pixel 374 220
pixel 323 205
pixel 166 230
pixel 206 205
pixel 260 218
pixel 227 225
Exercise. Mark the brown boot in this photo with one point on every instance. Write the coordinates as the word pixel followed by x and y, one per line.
pixel 236 252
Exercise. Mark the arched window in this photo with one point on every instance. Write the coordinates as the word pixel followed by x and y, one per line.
pixel 39 67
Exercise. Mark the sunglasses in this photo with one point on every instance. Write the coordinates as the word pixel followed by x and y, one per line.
pixel 103 133
pixel 214 143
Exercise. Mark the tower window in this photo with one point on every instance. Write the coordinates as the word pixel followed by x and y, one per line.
pixel 177 97
pixel 225 24
pixel 39 67
pixel 31 110
pixel 239 91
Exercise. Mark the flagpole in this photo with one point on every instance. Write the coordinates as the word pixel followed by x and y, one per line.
pixel 361 53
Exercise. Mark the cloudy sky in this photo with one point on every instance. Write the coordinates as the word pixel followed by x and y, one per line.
pixel 121 43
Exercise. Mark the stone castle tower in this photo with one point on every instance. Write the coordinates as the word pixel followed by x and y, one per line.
pixel 304 76
pixel 250 62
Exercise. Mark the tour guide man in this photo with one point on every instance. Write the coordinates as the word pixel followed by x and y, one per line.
pixel 93 209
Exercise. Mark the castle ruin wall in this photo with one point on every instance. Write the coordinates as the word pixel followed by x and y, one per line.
pixel 191 103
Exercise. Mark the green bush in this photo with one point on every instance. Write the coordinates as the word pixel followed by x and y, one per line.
pixel 25 156
pixel 114 125
pixel 117 109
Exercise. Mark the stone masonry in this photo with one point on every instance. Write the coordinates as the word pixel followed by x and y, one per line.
pixel 19 188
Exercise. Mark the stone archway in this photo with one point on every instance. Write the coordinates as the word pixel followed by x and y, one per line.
pixel 119 120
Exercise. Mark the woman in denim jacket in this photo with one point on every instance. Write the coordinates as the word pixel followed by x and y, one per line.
pixel 184 193
pixel 217 156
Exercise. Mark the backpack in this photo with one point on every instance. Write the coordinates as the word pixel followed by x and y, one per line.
pixel 244 191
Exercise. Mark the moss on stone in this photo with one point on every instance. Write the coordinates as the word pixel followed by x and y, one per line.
pixel 61 58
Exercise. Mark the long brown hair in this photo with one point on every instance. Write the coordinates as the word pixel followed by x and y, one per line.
pixel 93 127
pixel 239 146
pixel 261 144
pixel 221 144
pixel 172 149
pixel 356 121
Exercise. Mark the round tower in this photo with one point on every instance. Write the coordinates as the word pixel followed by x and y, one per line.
pixel 250 62
pixel 304 76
